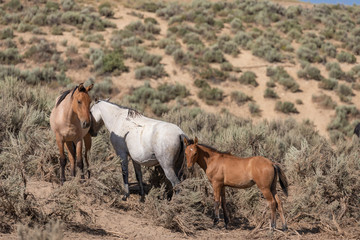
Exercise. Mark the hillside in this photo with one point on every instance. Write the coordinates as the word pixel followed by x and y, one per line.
pixel 279 79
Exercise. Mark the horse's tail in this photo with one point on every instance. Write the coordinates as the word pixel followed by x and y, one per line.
pixel 181 161
pixel 282 179
pixel 357 130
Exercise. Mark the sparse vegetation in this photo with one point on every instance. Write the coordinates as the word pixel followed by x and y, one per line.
pixel 248 78
pixel 279 74
pixel 285 107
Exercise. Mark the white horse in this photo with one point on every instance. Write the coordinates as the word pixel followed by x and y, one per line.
pixel 147 141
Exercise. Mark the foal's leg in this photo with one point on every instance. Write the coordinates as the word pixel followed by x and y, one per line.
pixel 223 205
pixel 217 191
pixel 87 143
pixel 60 144
pixel 272 204
pixel 79 161
pixel 281 212
pixel 138 174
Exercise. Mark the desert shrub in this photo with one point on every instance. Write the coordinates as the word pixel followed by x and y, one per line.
pixel 214 75
pixel 57 30
pixel 52 230
pixel 71 50
pixel 294 34
pixel 42 52
pixel 230 47
pixel 24 27
pixel 150 72
pixel 279 74
pixel 266 49
pixel 6 33
pixel 101 89
pixel 151 6
pixel 341 122
pixel 239 97
pixel 346 57
pixel 105 9
pixel 243 39
pixel 211 95
pixel 309 55
pixel 236 24
pixel 124 38
pixel 344 92
pixel 39 19
pixel 329 49
pixel 201 83
pixel 150 20
pixel 213 55
pixel 335 70
pixel 248 78
pixel 324 101
pixel 226 66
pixel 96 38
pixel 328 83
pixel 113 62
pixel 180 57
pixel 270 93
pixel 10 56
pixel 254 109
pixel 310 72
pixel 285 107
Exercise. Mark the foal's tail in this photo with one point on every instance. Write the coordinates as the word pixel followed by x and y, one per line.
pixel 282 178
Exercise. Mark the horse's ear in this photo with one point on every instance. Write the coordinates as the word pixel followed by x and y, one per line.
pixel 81 87
pixel 89 87
pixel 106 100
pixel 186 142
pixel 196 141
pixel 96 99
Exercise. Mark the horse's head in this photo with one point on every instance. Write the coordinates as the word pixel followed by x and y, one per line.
pixel 191 151
pixel 96 118
pixel 81 104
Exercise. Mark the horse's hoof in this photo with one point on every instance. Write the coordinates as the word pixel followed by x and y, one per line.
pixel 216 221
pixel 284 228
pixel 88 173
pixel 142 199
pixel 125 197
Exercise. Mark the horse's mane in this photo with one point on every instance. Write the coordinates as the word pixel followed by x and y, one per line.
pixel 62 97
pixel 132 113
pixel 64 94
pixel 213 149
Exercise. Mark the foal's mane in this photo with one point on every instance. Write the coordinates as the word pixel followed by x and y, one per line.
pixel 132 113
pixel 64 94
pixel 213 149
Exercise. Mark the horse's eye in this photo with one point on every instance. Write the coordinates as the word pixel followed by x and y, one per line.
pixel 79 102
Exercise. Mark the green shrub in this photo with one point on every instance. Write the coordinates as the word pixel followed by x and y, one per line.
pixel 248 78
pixel 309 55
pixel 114 62
pixel 57 30
pixel 310 72
pixel 213 55
pixel 211 95
pixel 180 57
pixel 105 9
pixel 285 107
pixel 279 74
pixel 341 122
pixel 151 6
pixel 214 75
pixel 226 66
pixel 346 57
pixel 236 25
pixel 328 84
pixel 239 97
pixel 201 83
pixel 96 38
pixel 254 109
pixel 42 52
pixel 329 49
pixel 10 56
pixel 150 72
pixel 324 101
pixel 270 93
pixel 243 39
pixel 6 33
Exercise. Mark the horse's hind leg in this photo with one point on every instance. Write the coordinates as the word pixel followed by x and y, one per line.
pixel 281 211
pixel 223 205
pixel 87 143
pixel 272 204
pixel 60 144
pixel 217 193
pixel 79 160
pixel 138 174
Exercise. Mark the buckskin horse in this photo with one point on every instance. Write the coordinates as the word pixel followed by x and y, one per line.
pixel 70 120
pixel 224 169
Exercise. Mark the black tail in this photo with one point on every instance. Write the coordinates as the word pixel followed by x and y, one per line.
pixel 357 130
pixel 282 179
pixel 181 161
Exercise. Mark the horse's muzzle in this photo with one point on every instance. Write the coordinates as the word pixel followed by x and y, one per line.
pixel 85 124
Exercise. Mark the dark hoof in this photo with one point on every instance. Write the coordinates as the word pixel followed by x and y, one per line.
pixel 284 228
pixel 226 227
pixel 62 181
pixel 82 177
pixel 216 221
pixel 88 173
pixel 142 199
pixel 125 197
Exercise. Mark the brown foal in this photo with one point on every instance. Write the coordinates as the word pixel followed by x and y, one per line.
pixel 224 169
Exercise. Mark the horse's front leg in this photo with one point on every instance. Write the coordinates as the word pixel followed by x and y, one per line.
pixel 60 144
pixel 217 191
pixel 223 204
pixel 87 142
pixel 79 161
pixel 125 173
pixel 138 174
pixel 71 149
